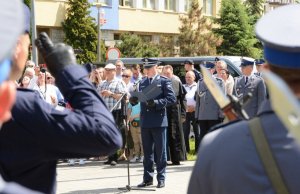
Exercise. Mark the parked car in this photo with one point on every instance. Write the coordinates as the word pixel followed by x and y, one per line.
pixel 233 63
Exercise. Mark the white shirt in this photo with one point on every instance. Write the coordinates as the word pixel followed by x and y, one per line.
pixel 191 90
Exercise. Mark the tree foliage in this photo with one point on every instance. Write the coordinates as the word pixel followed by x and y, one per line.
pixel 255 7
pixel 27 2
pixel 196 37
pixel 81 31
pixel 133 46
pixel 166 45
pixel 234 27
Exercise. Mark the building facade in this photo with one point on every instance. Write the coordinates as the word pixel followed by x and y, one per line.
pixel 147 18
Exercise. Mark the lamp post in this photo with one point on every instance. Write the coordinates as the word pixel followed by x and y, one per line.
pixel 99 5
pixel 33 33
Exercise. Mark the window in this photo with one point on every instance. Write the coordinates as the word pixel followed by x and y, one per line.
pixel 170 5
pixel 107 2
pixel 149 4
pixel 146 38
pixel 116 36
pixel 208 7
pixel 187 5
pixel 126 3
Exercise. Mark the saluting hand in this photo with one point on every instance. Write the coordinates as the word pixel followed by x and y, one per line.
pixel 56 56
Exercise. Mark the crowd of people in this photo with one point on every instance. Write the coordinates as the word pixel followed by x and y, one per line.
pixel 61 110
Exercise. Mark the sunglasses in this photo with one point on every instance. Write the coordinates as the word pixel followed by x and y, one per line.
pixel 127 76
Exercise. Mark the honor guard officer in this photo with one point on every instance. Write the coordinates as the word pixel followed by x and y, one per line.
pixel 38 134
pixel 259 66
pixel 154 124
pixel 228 161
pixel 207 112
pixel 249 83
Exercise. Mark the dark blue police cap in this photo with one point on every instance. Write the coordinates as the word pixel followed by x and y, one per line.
pixel 279 31
pixel 246 62
pixel 12 26
pixel 149 62
pixel 189 61
pixel 259 62
pixel 209 65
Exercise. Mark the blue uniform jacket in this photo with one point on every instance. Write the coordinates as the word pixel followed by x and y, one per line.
pixel 38 134
pixel 157 116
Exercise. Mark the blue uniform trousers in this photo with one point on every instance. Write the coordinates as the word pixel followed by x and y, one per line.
pixel 154 142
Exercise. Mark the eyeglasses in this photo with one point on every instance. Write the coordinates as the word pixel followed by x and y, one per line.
pixel 127 76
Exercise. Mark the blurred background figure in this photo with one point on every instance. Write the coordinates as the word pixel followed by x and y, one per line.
pixel 136 73
pixel 225 76
pixel 191 88
pixel 119 69
pixel 222 65
pixel 176 150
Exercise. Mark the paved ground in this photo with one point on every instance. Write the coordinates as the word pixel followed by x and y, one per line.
pixel 95 178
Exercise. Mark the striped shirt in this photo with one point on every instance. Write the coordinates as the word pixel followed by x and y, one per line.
pixel 115 86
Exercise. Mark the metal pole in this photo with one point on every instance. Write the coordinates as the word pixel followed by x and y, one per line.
pixel 33 34
pixel 99 35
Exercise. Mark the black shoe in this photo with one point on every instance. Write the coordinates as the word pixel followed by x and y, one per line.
pixel 107 162
pixel 160 184
pixel 176 163
pixel 145 184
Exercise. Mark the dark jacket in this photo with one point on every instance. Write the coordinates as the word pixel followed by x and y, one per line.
pixel 38 134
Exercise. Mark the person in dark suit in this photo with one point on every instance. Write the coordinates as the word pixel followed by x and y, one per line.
pixel 228 160
pixel 154 124
pixel 39 134
pixel 250 83
pixel 176 113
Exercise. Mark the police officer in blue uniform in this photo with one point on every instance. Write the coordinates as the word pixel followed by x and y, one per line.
pixel 38 134
pixel 228 161
pixel 154 124
pixel 249 83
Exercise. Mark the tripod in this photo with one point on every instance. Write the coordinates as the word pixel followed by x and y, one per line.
pixel 128 188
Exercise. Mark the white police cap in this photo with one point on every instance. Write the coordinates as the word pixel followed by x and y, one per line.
pixel 279 31
pixel 11 26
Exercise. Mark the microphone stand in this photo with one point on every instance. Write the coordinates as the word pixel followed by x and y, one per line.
pixel 128 188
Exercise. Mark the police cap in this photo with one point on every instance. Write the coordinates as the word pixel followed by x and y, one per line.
pixel 279 32
pixel 149 62
pixel 11 12
pixel 209 65
pixel 259 62
pixel 189 61
pixel 246 62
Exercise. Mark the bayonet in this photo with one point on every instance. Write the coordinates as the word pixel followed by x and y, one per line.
pixel 284 103
pixel 230 105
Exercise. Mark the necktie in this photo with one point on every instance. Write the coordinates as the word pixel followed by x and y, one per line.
pixel 246 80
pixel 150 80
